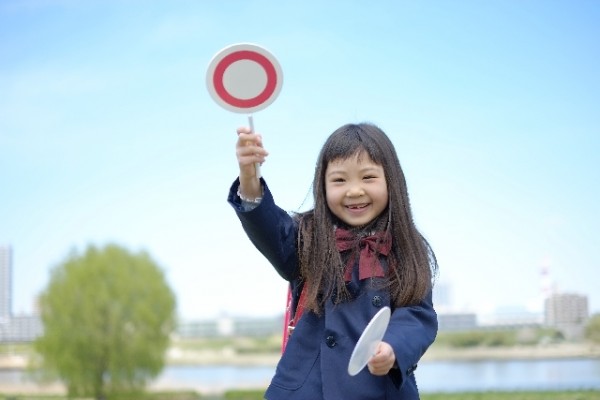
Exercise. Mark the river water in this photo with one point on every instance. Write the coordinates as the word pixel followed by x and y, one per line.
pixel 432 376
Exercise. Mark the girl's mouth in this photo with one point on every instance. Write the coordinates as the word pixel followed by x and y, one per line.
pixel 356 206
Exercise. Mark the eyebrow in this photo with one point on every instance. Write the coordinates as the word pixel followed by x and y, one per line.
pixel 335 172
pixel 369 169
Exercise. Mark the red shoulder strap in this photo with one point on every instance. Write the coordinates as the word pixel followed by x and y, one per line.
pixel 289 323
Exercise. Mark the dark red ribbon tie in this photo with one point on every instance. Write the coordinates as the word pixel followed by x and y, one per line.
pixel 370 247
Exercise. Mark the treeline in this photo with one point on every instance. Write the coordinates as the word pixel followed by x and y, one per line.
pixel 514 336
pixel 498 338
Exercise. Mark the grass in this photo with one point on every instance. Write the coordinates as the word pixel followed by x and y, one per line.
pixel 258 395
pixel 568 395
pixel 175 395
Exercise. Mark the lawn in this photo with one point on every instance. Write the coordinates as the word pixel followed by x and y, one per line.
pixel 258 395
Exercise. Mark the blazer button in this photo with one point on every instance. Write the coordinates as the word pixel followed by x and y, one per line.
pixel 411 369
pixel 377 301
pixel 330 341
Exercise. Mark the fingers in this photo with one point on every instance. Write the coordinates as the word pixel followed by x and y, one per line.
pixel 383 360
pixel 244 129
pixel 249 151
pixel 245 134
pixel 247 137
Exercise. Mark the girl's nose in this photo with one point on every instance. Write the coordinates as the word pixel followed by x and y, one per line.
pixel 355 191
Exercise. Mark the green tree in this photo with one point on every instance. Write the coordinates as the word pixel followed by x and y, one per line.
pixel 107 315
pixel 592 329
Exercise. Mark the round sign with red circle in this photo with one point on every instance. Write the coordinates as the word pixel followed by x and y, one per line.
pixel 244 78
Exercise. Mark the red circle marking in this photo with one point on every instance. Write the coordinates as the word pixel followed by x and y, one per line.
pixel 244 55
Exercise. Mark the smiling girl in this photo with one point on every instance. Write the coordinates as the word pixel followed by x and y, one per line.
pixel 356 251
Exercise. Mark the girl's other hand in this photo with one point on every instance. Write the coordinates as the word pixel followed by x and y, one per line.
pixel 383 360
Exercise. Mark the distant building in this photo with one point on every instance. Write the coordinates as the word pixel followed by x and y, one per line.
pixel 567 312
pixel 511 317
pixel 5 283
pixel 442 296
pixel 258 326
pixel 25 328
pixel 228 326
pixel 13 329
pixel 197 329
pixel 457 322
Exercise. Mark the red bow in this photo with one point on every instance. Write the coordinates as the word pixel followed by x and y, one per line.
pixel 369 246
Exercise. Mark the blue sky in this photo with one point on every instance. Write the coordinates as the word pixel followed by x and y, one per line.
pixel 108 134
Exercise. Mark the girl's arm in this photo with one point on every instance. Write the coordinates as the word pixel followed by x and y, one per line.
pixel 272 230
pixel 411 331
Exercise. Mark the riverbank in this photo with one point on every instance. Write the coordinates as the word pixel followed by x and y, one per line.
pixel 229 356
pixel 539 352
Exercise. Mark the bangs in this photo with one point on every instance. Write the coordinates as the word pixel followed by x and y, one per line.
pixel 351 141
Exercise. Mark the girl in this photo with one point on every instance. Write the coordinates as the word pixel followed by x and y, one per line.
pixel 356 251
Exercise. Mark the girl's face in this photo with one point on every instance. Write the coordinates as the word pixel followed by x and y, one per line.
pixel 356 189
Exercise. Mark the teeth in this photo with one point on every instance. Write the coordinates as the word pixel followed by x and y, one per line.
pixel 357 206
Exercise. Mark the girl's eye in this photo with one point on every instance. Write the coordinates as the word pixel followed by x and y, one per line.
pixel 369 177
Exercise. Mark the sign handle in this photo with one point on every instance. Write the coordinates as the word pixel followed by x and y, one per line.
pixel 257 165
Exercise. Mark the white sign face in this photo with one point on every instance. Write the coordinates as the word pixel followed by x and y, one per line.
pixel 244 78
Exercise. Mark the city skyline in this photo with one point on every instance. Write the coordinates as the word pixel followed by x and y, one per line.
pixel 108 135
pixel 443 297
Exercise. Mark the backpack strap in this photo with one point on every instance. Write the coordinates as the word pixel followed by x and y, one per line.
pixel 296 299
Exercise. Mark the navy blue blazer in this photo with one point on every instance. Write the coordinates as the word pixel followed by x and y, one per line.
pixel 315 362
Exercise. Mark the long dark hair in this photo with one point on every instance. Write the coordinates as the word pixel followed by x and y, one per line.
pixel 412 263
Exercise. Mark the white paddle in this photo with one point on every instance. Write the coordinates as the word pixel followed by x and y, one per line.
pixel 244 78
pixel 369 340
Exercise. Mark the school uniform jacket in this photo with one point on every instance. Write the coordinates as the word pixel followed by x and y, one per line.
pixel 315 362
